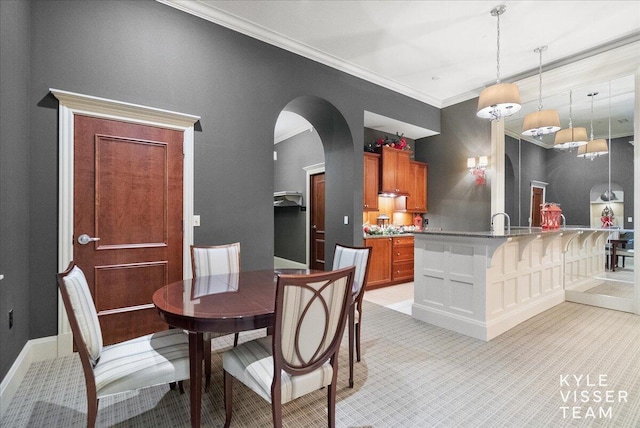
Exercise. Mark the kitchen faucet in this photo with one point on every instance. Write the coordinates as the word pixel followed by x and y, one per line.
pixel 508 221
pixel 564 221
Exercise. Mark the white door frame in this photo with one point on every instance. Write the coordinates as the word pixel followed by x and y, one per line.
pixel 537 185
pixel 71 104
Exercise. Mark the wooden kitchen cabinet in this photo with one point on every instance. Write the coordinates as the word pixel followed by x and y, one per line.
pixel 416 201
pixel 380 264
pixel 395 170
pixel 391 261
pixel 402 259
pixel 371 182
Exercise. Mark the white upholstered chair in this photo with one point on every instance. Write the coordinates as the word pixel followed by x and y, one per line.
pixel 214 260
pixel 145 361
pixel 302 355
pixel 359 257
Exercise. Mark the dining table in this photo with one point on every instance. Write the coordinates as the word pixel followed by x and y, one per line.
pixel 227 303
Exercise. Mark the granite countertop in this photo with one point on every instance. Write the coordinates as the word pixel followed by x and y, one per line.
pixel 389 235
pixel 514 232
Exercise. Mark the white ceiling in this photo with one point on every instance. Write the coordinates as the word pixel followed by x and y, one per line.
pixel 444 52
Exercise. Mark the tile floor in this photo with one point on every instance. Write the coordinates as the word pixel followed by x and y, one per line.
pixel 397 297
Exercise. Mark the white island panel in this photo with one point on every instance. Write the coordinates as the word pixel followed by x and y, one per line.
pixel 481 284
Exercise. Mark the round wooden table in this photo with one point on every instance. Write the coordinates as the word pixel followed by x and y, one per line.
pixel 219 304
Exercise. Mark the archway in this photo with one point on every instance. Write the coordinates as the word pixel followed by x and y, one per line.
pixel 337 147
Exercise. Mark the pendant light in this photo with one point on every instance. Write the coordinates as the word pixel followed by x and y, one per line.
pixel 541 122
pixel 501 99
pixel 593 148
pixel 569 138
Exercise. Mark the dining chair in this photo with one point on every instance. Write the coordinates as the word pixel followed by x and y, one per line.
pixel 214 260
pixel 359 257
pixel 302 354
pixel 150 360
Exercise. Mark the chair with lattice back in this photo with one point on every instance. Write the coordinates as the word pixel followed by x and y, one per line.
pixel 214 260
pixel 154 359
pixel 302 354
pixel 360 258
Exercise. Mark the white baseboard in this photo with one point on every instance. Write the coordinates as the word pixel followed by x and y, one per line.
pixel 281 263
pixel 34 350
pixel 485 330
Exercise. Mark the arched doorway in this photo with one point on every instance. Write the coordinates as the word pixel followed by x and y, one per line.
pixel 324 148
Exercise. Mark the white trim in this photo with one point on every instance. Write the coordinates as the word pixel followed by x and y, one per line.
pixel 310 170
pixel 72 104
pixel 34 350
pixel 293 133
pixel 280 263
pixel 539 185
pixel 496 171
pixel 240 25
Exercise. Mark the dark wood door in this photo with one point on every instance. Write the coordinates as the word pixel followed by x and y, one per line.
pixel 536 201
pixel 128 192
pixel 317 221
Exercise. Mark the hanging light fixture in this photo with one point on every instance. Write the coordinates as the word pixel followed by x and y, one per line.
pixel 569 138
pixel 501 99
pixel 593 148
pixel 541 122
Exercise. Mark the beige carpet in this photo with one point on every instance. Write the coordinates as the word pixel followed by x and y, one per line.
pixel 412 375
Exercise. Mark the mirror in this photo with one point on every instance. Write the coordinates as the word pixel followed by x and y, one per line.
pixel 588 191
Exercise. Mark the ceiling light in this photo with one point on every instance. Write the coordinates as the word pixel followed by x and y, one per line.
pixel 570 137
pixel 501 99
pixel 593 148
pixel 541 122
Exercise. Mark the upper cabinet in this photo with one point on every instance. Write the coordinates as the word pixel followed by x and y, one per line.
pixel 371 182
pixel 395 167
pixel 416 201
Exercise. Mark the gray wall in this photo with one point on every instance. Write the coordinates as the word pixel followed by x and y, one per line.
pixel 295 153
pixel 571 178
pixel 454 201
pixel 14 179
pixel 147 53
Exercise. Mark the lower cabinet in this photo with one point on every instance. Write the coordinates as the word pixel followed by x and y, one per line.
pixel 391 261
pixel 380 265
pixel 402 259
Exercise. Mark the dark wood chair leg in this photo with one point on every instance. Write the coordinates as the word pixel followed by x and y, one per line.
pixel 207 360
pixel 358 341
pixel 92 410
pixel 276 408
pixel 331 405
pixel 227 380
pixel 351 320
pixel 235 339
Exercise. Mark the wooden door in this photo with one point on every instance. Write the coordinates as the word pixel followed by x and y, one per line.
pixel 317 221
pixel 537 194
pixel 128 192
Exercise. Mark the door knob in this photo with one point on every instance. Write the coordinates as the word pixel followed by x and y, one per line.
pixel 84 239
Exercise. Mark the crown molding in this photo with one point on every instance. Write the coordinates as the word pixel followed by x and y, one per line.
pixel 222 18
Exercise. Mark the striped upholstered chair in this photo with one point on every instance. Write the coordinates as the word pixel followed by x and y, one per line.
pixel 149 360
pixel 359 257
pixel 214 260
pixel 302 355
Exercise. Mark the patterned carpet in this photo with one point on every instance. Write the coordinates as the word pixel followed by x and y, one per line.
pixel 412 375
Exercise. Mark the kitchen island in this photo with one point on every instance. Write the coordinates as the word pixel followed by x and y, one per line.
pixel 482 284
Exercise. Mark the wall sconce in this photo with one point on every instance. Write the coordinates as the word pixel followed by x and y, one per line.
pixel 478 168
